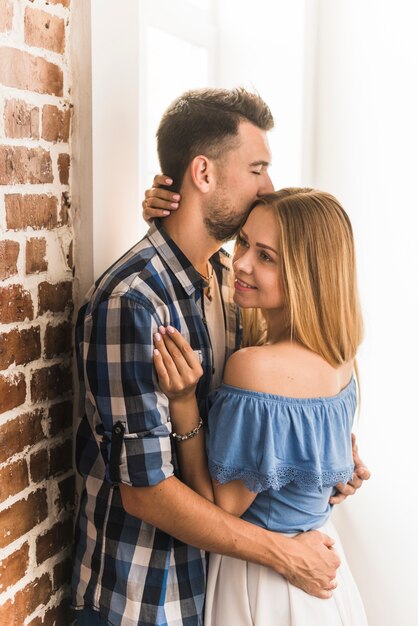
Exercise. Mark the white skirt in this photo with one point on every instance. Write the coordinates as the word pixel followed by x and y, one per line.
pixel 245 594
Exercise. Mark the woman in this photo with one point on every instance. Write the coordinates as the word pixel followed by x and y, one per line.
pixel 278 437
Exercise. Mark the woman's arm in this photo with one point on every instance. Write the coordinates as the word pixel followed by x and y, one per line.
pixel 191 452
pixel 178 373
pixel 158 200
pixel 233 497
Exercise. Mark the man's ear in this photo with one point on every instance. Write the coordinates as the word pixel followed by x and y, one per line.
pixel 202 173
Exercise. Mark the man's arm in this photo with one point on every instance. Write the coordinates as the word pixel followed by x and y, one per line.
pixel 307 560
pixel 361 473
pixel 134 416
pixel 178 371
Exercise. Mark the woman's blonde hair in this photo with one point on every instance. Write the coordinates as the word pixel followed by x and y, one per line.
pixel 318 275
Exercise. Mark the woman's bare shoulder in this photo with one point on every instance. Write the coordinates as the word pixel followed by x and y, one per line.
pixel 247 367
pixel 286 369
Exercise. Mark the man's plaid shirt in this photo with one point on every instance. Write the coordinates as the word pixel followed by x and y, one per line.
pixel 133 573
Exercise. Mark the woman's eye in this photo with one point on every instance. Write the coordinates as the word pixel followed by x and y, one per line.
pixel 265 257
pixel 241 241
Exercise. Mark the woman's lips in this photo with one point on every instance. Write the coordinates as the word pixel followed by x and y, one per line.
pixel 241 285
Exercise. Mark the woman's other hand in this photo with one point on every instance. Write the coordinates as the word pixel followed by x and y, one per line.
pixel 176 365
pixel 159 202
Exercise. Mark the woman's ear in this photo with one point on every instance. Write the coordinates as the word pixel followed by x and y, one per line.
pixel 202 173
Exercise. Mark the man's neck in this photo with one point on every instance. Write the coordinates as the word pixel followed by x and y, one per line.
pixel 187 230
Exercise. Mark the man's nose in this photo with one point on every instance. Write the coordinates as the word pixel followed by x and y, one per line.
pixel 266 186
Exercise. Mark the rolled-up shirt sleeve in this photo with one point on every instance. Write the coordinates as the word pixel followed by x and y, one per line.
pixel 131 415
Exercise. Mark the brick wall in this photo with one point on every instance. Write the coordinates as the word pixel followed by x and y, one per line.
pixel 36 280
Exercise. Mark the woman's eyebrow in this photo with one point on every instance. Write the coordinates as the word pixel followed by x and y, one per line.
pixel 260 245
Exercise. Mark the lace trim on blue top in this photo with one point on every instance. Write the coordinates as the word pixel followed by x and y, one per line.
pixel 269 441
pixel 279 477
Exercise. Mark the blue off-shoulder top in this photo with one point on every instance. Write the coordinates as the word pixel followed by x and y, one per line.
pixel 290 451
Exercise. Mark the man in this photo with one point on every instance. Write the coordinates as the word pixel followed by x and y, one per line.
pixel 135 563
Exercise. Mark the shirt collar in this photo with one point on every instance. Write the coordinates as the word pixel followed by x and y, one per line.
pixel 179 264
pixel 186 274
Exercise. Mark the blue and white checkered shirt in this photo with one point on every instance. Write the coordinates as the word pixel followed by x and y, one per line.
pixel 133 573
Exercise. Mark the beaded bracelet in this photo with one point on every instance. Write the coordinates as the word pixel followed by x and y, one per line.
pixel 190 434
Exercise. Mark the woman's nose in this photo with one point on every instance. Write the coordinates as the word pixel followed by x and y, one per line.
pixel 243 263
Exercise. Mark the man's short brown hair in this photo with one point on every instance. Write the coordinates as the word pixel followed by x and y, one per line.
pixel 206 121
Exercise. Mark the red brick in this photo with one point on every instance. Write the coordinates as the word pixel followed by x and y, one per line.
pixel 57 339
pixel 65 207
pixel 13 478
pixel 22 517
pixel 39 465
pixel 20 346
pixel 19 165
pixel 15 304
pixel 45 464
pixel 33 210
pixel 56 616
pixel 60 458
pixel 64 168
pixel 66 498
pixel 44 30
pixel 6 15
pixel 35 256
pixel 61 417
pixel 50 382
pixel 12 391
pixel 37 593
pixel 55 123
pixel 13 568
pixel 9 253
pixel 20 432
pixel 32 73
pixel 21 120
pixel 54 540
pixel 54 297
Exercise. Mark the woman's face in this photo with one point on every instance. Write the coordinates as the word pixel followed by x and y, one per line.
pixel 256 262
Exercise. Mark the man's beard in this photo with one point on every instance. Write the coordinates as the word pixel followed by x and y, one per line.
pixel 222 221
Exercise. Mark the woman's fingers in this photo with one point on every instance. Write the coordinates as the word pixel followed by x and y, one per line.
pixel 177 379
pixel 150 214
pixel 182 367
pixel 182 346
pixel 158 201
pixel 157 197
pixel 161 179
pixel 163 377
pixel 186 372
pixel 168 361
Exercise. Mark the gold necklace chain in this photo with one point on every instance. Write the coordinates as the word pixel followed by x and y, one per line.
pixel 208 279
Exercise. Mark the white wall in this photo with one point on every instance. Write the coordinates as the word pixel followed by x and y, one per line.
pixel 115 101
pixel 261 46
pixel 81 141
pixel 266 53
pixel 365 139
